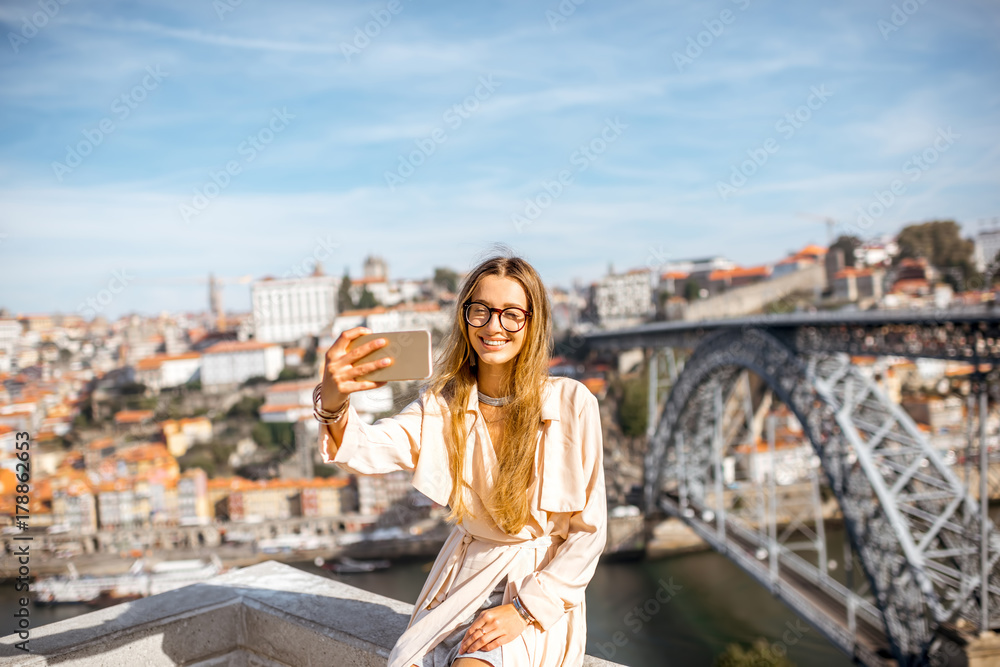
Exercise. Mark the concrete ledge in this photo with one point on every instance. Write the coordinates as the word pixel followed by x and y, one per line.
pixel 266 615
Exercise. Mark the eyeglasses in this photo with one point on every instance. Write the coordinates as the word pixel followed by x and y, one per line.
pixel 511 319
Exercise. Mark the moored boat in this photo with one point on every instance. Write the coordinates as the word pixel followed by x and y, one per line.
pixel 143 579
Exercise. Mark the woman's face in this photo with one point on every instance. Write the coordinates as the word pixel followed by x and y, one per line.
pixel 497 292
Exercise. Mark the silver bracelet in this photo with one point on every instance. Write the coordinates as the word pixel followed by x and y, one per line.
pixel 525 614
pixel 324 416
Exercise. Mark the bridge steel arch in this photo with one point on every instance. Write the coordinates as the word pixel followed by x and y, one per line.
pixel 915 528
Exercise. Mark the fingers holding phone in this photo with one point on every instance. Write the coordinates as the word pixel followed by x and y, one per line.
pixel 340 374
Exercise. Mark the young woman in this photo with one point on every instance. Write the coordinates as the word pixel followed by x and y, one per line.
pixel 518 457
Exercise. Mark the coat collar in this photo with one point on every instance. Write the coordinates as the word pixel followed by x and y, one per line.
pixel 550 401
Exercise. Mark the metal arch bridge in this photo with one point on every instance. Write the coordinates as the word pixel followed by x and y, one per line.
pixel 928 551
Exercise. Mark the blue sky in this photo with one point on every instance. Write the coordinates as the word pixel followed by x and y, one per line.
pixel 117 117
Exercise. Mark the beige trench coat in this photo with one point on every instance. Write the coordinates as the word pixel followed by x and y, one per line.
pixel 548 563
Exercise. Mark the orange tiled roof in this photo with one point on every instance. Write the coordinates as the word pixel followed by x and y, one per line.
pixel 740 272
pixel 228 346
pixel 101 443
pixel 812 250
pixel 419 306
pixel 851 271
pixel 292 385
pixel 362 311
pixel 910 285
pixel 157 360
pixel 965 368
pixel 280 408
pixel 133 416
pixel 595 385
pixel 149 451
pixel 863 360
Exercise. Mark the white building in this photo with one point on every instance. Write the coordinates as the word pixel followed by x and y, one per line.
pixel 377 493
pixel 288 401
pixel 161 371
pixel 987 247
pixel 232 362
pixel 877 252
pixel 702 265
pixel 10 332
pixel 426 316
pixel 625 299
pixel 284 310
pixel 386 293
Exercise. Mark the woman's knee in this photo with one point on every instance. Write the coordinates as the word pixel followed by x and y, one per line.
pixel 470 662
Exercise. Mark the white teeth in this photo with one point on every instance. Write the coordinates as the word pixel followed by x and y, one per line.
pixel 499 343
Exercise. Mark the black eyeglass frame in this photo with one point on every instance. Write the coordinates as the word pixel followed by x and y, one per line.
pixel 465 313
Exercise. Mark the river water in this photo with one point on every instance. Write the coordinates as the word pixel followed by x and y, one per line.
pixel 709 602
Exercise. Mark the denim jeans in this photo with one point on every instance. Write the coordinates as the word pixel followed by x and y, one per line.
pixel 446 652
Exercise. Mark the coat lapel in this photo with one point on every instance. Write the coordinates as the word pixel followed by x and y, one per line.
pixel 432 475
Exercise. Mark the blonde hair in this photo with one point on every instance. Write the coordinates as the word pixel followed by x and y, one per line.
pixel 454 376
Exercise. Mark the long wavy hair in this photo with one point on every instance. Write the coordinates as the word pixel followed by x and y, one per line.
pixel 455 374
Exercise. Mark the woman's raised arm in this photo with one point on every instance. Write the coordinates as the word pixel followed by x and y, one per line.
pixel 390 444
pixel 340 374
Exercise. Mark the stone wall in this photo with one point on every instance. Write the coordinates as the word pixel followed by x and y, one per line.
pixel 268 615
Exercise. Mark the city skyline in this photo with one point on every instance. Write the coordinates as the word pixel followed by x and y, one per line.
pixel 240 139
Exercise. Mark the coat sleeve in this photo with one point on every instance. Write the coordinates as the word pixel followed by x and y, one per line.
pixel 561 584
pixel 390 444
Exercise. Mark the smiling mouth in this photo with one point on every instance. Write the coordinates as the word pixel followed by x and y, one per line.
pixel 494 346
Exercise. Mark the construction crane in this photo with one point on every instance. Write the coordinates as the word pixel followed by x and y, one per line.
pixel 214 291
pixel 831 224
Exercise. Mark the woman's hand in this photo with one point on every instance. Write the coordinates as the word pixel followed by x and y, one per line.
pixel 492 628
pixel 339 372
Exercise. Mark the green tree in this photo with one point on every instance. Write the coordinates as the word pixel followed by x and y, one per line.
pixel 848 244
pixel 261 434
pixel 254 380
pixel 367 299
pixel 691 290
pixel 993 270
pixel 446 278
pixel 246 407
pixel 941 243
pixel 632 411
pixel 344 300
pixel 758 655
pixel 274 436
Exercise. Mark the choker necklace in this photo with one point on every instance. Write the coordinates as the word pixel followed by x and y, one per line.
pixel 495 402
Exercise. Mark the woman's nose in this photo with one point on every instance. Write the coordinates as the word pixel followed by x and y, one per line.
pixel 494 328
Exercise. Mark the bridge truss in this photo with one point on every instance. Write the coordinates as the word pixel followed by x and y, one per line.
pixel 927 554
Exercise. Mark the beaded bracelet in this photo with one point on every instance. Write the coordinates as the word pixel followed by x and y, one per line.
pixel 324 416
pixel 525 614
